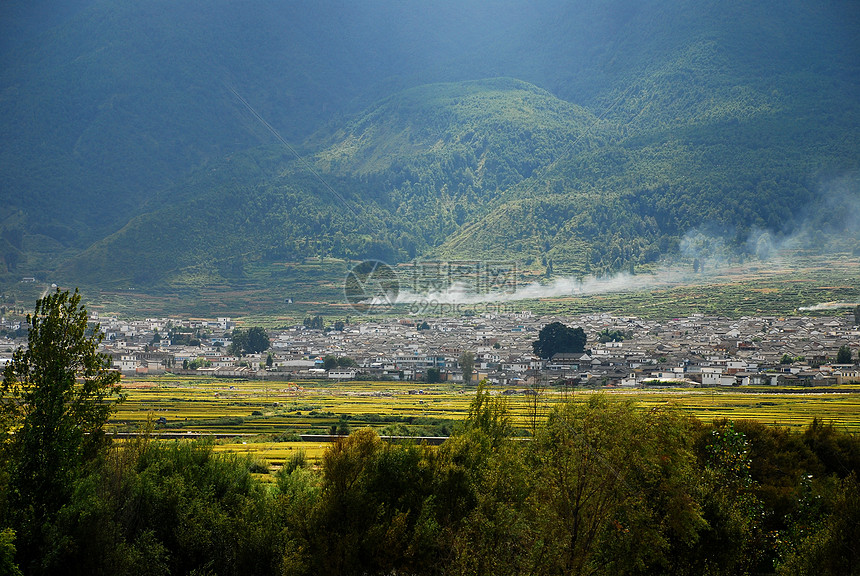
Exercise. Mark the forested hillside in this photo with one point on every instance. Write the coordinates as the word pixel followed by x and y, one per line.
pixel 149 143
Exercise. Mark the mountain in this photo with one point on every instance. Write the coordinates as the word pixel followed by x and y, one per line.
pixel 160 143
pixel 391 184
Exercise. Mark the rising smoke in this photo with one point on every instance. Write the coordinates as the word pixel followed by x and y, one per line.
pixel 832 223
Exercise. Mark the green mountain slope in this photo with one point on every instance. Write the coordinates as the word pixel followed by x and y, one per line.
pixel 393 183
pixel 139 147
pixel 698 147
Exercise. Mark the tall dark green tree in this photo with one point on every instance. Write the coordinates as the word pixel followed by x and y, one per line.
pixel 329 362
pixel 467 364
pixel 239 339
pixel 258 340
pixel 57 394
pixel 557 338
pixel 844 355
pixel 250 341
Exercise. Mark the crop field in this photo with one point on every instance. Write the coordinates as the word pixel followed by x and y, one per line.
pixel 265 418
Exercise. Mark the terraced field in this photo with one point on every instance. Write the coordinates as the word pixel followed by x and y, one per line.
pixel 266 418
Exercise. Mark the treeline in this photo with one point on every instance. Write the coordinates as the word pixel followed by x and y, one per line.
pixel 601 488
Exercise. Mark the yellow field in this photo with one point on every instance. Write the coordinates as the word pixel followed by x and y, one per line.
pixel 263 418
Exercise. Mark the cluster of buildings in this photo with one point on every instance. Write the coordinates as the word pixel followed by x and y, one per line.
pixel 701 350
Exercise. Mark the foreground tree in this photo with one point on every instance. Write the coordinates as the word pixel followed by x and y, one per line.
pixel 57 394
pixel 844 355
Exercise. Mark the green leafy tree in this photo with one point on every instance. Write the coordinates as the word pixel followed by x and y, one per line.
pixel 857 315
pixel 603 503
pixel 844 355
pixel 729 504
pixel 831 548
pixel 484 484
pixel 7 553
pixel 607 335
pixel 467 365
pixel 433 376
pixel 250 341
pixel 557 338
pixel 258 340
pixel 489 414
pixel 371 497
pixel 57 394
pixel 239 341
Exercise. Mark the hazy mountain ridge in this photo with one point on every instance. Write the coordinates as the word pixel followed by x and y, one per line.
pixel 395 182
pixel 628 125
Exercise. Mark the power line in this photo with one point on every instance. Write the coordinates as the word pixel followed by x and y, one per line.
pixel 300 158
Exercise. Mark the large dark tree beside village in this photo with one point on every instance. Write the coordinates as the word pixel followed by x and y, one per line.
pixel 557 338
pixel 251 341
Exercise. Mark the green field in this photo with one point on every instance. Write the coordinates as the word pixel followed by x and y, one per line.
pixel 265 418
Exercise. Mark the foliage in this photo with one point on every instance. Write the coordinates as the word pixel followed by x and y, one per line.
pixel 433 376
pixel 607 335
pixel 844 355
pixel 831 547
pixel 331 362
pixel 604 487
pixel 197 363
pixel 489 414
pixel 556 338
pixel 467 365
pixel 7 553
pixel 251 341
pixel 57 394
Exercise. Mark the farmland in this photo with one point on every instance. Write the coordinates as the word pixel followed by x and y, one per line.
pixel 265 418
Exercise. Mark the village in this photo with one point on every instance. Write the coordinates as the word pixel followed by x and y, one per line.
pixel 693 351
